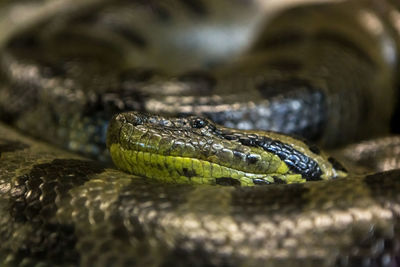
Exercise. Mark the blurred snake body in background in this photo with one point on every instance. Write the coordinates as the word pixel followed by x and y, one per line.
pixel 228 71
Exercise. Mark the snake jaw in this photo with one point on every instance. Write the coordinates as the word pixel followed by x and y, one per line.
pixel 196 150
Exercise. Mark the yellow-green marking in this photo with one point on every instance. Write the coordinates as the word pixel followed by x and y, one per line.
pixel 196 151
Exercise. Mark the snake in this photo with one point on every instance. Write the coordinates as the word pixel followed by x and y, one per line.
pixel 201 100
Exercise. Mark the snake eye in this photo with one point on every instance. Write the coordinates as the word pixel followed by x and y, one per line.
pixel 198 123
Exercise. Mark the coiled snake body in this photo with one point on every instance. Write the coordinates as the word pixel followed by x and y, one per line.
pixel 325 70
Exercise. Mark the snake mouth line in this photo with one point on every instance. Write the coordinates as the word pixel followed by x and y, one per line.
pixel 195 150
pixel 178 169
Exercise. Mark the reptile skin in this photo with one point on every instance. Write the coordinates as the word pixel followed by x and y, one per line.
pixel 68 66
pixel 60 209
pixel 196 150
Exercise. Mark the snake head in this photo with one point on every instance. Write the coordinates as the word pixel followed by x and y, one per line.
pixel 191 148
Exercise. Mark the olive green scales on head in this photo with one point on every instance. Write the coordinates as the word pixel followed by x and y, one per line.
pixel 195 150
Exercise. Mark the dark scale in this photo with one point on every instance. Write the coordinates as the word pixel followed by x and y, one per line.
pixel 278 180
pixel 251 159
pixel 189 173
pixel 296 161
pixel 260 182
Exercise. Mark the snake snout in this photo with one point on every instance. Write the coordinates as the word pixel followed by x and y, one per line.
pixel 118 122
pixel 114 129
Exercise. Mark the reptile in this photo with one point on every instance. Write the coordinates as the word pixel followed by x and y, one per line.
pixel 67 67
pixel 195 150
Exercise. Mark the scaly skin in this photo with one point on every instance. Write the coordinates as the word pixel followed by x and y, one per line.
pixel 58 209
pixel 195 150
pixel 67 66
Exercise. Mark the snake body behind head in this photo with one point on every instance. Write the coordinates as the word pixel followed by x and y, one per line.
pixel 218 74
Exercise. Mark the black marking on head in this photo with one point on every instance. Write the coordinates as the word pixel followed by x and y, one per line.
pixel 239 155
pixel 258 181
pixel 231 137
pixel 336 164
pixel 160 166
pixel 189 173
pixel 196 6
pixel 252 159
pixel 296 161
pixel 11 145
pixel 341 40
pixel 278 180
pixel 198 123
pixel 227 181
pixel 245 140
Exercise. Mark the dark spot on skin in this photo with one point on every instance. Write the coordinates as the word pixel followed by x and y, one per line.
pixel 231 137
pixel 252 159
pixel 296 161
pixel 189 173
pixel 198 123
pixel 336 164
pixel 246 141
pixel 260 182
pixel 227 181
pixel 11 146
pixel 159 166
pixel 33 203
pixel 278 180
pixel 238 154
